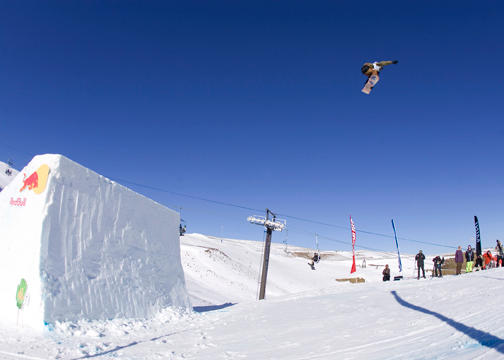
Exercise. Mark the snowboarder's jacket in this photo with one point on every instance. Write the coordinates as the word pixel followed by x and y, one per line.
pixel 420 258
pixel 386 273
pixel 487 257
pixel 469 255
pixel 459 256
pixel 368 68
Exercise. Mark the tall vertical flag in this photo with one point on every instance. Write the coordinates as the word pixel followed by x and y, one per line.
pixel 354 237
pixel 397 245
pixel 478 237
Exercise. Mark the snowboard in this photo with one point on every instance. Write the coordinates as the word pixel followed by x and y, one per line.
pixel 372 81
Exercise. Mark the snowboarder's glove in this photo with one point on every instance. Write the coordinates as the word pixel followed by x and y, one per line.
pixel 395 62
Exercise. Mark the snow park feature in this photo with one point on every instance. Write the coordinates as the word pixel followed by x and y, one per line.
pixel 75 245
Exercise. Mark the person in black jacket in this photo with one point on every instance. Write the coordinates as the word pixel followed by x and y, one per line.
pixel 500 253
pixel 420 257
pixel 386 273
pixel 469 255
pixel 438 261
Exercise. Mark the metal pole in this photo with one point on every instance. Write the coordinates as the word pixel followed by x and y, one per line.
pixel 264 275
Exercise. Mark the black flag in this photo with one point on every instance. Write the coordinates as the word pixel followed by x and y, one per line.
pixel 478 238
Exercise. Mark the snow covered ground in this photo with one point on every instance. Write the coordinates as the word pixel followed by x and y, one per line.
pixel 307 314
pixel 226 270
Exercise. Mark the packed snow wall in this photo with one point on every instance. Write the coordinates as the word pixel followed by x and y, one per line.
pixel 85 246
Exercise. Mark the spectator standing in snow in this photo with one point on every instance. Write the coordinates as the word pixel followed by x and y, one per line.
pixel 487 260
pixel 420 257
pixel 459 259
pixel 478 264
pixel 500 253
pixel 386 273
pixel 437 266
pixel 469 255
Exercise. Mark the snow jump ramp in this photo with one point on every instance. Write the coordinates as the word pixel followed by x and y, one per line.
pixel 76 245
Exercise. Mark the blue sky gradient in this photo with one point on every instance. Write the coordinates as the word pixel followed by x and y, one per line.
pixel 258 103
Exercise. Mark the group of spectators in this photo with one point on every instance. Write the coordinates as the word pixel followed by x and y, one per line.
pixel 473 261
pixel 483 262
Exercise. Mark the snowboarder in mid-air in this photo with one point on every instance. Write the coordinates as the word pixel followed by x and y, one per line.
pixel 372 71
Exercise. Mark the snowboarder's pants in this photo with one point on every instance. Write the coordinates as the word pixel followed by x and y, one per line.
pixel 386 277
pixel 437 271
pixel 459 269
pixel 423 271
pixel 469 266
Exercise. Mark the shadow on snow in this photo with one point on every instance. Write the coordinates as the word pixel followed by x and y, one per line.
pixel 120 347
pixel 484 338
pixel 201 309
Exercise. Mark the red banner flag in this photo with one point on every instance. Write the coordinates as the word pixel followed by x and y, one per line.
pixel 354 237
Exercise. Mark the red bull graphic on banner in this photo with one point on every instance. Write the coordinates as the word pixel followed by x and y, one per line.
pixel 37 181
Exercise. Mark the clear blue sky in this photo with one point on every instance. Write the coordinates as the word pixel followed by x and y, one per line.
pixel 258 103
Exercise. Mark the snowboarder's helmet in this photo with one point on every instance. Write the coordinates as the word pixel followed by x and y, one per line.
pixel 365 69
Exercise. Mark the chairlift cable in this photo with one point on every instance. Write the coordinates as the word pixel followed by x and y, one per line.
pixel 278 214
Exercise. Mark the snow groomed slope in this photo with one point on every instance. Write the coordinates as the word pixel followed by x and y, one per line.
pixel 454 317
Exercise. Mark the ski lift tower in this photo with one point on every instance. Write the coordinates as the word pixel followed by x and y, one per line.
pixel 270 225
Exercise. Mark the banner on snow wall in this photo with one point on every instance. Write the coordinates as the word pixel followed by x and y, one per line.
pixel 354 237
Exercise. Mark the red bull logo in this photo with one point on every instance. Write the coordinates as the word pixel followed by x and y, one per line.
pixel 31 182
pixel 37 181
